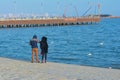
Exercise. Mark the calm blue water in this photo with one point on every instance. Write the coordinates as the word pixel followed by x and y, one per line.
pixel 91 45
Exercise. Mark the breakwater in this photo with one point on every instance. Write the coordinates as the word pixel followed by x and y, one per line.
pixel 13 23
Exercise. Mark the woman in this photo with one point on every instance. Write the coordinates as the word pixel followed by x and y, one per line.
pixel 44 48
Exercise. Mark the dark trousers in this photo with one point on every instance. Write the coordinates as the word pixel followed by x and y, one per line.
pixel 44 55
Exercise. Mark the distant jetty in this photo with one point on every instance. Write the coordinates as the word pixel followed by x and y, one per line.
pixel 108 16
pixel 38 22
pixel 104 16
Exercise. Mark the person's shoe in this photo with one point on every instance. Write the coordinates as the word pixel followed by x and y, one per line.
pixel 42 62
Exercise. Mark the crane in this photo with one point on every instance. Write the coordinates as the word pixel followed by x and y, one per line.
pixel 67 7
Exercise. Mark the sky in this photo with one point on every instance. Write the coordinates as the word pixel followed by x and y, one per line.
pixel 59 7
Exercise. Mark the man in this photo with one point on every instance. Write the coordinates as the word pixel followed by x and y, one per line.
pixel 34 46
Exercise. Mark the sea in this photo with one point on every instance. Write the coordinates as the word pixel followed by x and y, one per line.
pixel 96 45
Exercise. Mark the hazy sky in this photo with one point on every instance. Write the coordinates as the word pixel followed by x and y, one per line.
pixel 59 7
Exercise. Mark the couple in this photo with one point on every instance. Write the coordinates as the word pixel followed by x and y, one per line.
pixel 43 47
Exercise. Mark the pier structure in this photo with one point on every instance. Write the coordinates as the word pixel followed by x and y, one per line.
pixel 38 22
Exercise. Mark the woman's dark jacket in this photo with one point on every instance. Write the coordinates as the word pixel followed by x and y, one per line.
pixel 44 45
